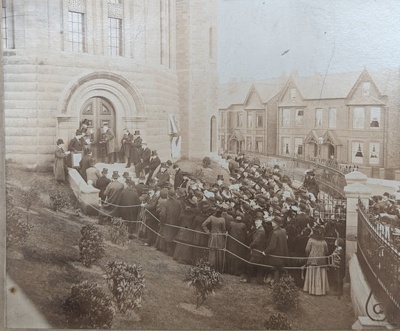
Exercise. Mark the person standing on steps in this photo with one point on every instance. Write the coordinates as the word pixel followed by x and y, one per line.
pixel 126 143
pixel 60 166
pixel 135 152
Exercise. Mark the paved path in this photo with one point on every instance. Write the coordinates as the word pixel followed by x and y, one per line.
pixel 20 311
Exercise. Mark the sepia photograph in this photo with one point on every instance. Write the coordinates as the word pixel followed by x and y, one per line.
pixel 200 164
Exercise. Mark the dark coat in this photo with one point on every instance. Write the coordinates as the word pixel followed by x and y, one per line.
pixel 173 211
pixel 129 197
pixel 184 252
pixel 178 179
pixel 84 164
pixel 75 145
pixel 258 242
pixel 101 184
pixel 113 193
pixel 146 153
pixel 60 167
pixel 238 231
pixel 135 152
pixel 126 144
pixel 277 246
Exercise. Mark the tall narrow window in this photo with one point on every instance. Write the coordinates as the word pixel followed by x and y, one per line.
pixel 260 121
pixel 165 32
pixel 358 118
pixel 332 118
pixel 249 144
pixel 298 145
pixel 115 37
pixel 76 31
pixel 293 93
pixel 374 153
pixel 286 146
pixel 375 117
pixel 249 120
pixel 240 120
pixel 357 152
pixel 318 116
pixel 259 145
pixel 299 117
pixel 286 117
pixel 4 27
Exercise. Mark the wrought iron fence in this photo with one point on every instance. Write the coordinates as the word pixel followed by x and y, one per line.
pixel 378 251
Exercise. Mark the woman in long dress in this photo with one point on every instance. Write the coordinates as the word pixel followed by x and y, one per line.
pixel 60 166
pixel 316 280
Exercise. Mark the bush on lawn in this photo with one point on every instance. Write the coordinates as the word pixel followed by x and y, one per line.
pixel 89 307
pixel 118 231
pixel 17 228
pixel 285 294
pixel 204 279
pixel 59 200
pixel 31 195
pixel 277 322
pixel 126 284
pixel 91 245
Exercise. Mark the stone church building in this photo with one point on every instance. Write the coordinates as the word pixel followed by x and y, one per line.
pixel 136 64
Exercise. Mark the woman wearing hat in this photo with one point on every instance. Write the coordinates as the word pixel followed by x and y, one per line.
pixel 60 167
pixel 316 280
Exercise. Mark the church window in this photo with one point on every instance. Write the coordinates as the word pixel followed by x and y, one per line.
pixel 76 31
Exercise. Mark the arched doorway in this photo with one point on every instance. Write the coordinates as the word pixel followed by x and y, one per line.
pixel 213 134
pixel 99 112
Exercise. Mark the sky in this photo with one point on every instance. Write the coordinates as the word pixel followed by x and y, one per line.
pixel 260 39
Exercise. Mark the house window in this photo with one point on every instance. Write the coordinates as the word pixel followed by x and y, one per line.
pixel 332 117
pixel 76 31
pixel 259 145
pixel 293 93
pixel 285 146
pixel 298 145
pixel 374 153
pixel 286 117
pixel 240 120
pixel 366 88
pixel 375 117
pixel 357 152
pixel 358 118
pixel 299 117
pixel 318 116
pixel 5 31
pixel 249 144
pixel 115 37
pixel 249 120
pixel 260 121
pixel 229 120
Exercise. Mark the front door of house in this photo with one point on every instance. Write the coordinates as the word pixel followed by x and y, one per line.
pixel 98 112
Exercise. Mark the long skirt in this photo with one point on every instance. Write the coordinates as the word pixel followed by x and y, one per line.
pixel 316 280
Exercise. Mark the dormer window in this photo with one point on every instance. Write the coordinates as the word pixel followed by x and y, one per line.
pixel 366 87
pixel 293 93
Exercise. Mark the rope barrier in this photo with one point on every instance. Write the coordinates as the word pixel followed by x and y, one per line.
pixel 330 257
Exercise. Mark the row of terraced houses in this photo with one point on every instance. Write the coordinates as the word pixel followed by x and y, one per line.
pixel 350 117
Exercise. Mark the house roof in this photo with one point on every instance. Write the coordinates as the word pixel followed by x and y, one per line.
pixel 237 93
pixel 318 86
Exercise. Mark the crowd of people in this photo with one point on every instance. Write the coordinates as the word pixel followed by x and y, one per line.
pixel 254 224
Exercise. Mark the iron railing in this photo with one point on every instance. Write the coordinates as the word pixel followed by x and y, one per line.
pixel 378 250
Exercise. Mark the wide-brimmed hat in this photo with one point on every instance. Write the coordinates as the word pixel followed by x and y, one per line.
pixel 115 174
pixel 60 141
pixel 278 220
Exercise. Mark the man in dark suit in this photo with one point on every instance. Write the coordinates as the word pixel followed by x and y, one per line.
pixel 178 176
pixel 154 163
pixel 144 159
pixel 102 183
pixel 277 246
pixel 75 146
pixel 135 152
pixel 85 163
pixel 126 146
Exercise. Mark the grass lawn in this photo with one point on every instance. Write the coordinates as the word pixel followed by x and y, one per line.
pixel 48 264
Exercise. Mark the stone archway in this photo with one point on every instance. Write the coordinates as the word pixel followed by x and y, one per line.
pixel 123 96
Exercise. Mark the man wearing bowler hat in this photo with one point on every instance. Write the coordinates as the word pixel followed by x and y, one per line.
pixel 113 194
pixel 153 165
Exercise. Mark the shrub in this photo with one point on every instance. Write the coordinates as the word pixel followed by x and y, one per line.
pixel 91 245
pixel 89 307
pixel 204 279
pixel 118 231
pixel 59 200
pixel 198 173
pixel 206 162
pixel 277 322
pixel 126 284
pixel 285 294
pixel 18 230
pixel 31 195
